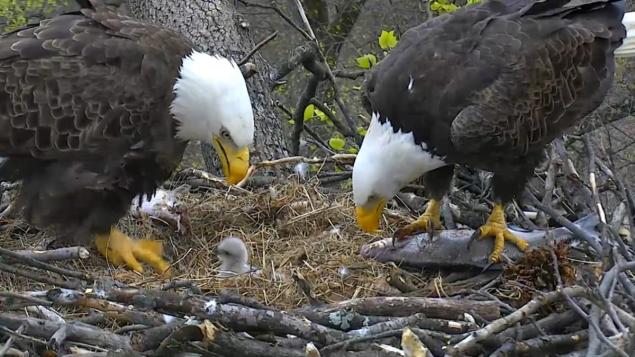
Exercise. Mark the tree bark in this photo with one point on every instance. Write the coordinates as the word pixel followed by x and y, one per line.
pixel 215 27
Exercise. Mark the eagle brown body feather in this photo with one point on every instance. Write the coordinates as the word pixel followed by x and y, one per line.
pixel 84 116
pixel 492 84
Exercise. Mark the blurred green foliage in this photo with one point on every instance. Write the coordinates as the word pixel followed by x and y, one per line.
pixel 16 13
pixel 440 7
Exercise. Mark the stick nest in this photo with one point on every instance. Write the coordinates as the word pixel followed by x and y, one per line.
pixel 294 232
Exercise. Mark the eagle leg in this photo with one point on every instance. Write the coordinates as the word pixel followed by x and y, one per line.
pixel 427 222
pixel 497 227
pixel 437 183
pixel 119 249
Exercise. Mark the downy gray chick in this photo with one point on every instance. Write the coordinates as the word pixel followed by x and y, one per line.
pixel 234 257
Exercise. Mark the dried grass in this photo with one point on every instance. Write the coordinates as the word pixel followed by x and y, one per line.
pixel 288 228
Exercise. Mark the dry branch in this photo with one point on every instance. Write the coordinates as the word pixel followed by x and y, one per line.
pixel 34 275
pixel 77 332
pixel 542 345
pixel 41 265
pixel 451 309
pixel 239 318
pixel 258 46
pixel 517 316
pixel 67 253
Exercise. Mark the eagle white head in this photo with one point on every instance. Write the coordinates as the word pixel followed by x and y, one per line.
pixel 386 162
pixel 212 105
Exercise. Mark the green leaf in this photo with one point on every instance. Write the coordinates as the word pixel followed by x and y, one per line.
pixel 443 6
pixel 336 143
pixel 309 112
pixel 366 61
pixel 292 122
pixel 387 40
pixel 361 131
pixel 449 7
pixel 320 114
pixel 352 150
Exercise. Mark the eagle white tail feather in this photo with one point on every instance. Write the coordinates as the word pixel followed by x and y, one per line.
pixel 627 49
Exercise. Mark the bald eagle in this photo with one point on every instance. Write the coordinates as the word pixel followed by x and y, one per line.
pixel 97 108
pixel 488 86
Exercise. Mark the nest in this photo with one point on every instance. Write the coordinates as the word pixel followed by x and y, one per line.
pixel 303 239
pixel 297 234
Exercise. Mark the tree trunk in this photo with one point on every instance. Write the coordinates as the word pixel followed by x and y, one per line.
pixel 215 27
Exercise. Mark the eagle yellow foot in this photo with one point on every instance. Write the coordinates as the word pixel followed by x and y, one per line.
pixel 427 222
pixel 119 249
pixel 497 227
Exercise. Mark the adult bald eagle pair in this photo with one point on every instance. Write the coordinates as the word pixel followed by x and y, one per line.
pixel 96 108
pixel 488 86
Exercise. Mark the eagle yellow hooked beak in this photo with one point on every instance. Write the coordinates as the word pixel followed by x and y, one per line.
pixel 368 215
pixel 234 160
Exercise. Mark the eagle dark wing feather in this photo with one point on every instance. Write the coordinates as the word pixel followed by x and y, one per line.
pixel 558 75
pixel 502 77
pixel 84 121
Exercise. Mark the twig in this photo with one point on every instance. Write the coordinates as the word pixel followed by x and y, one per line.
pixel 337 158
pixel 131 328
pixel 452 309
pixel 416 320
pixel 343 320
pixel 30 274
pixel 329 73
pixel 346 343
pixel 9 342
pixel 541 345
pixel 258 46
pixel 516 316
pixel 298 116
pixel 550 182
pixel 240 318
pixel 303 54
pixel 20 335
pixel 214 181
pixel 577 308
pixel 41 265
pixel 75 332
pixel 565 222
pixel 66 253
pixel 176 284
pixel 281 14
pixel 553 322
pixel 30 299
pixel 340 127
pixel 348 74
pixel 45 313
pixel 318 140
pixel 305 20
pixel 595 331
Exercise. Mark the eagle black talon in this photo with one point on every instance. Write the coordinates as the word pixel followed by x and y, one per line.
pixel 473 237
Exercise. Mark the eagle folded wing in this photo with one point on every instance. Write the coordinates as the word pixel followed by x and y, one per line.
pixel 73 87
pixel 557 77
